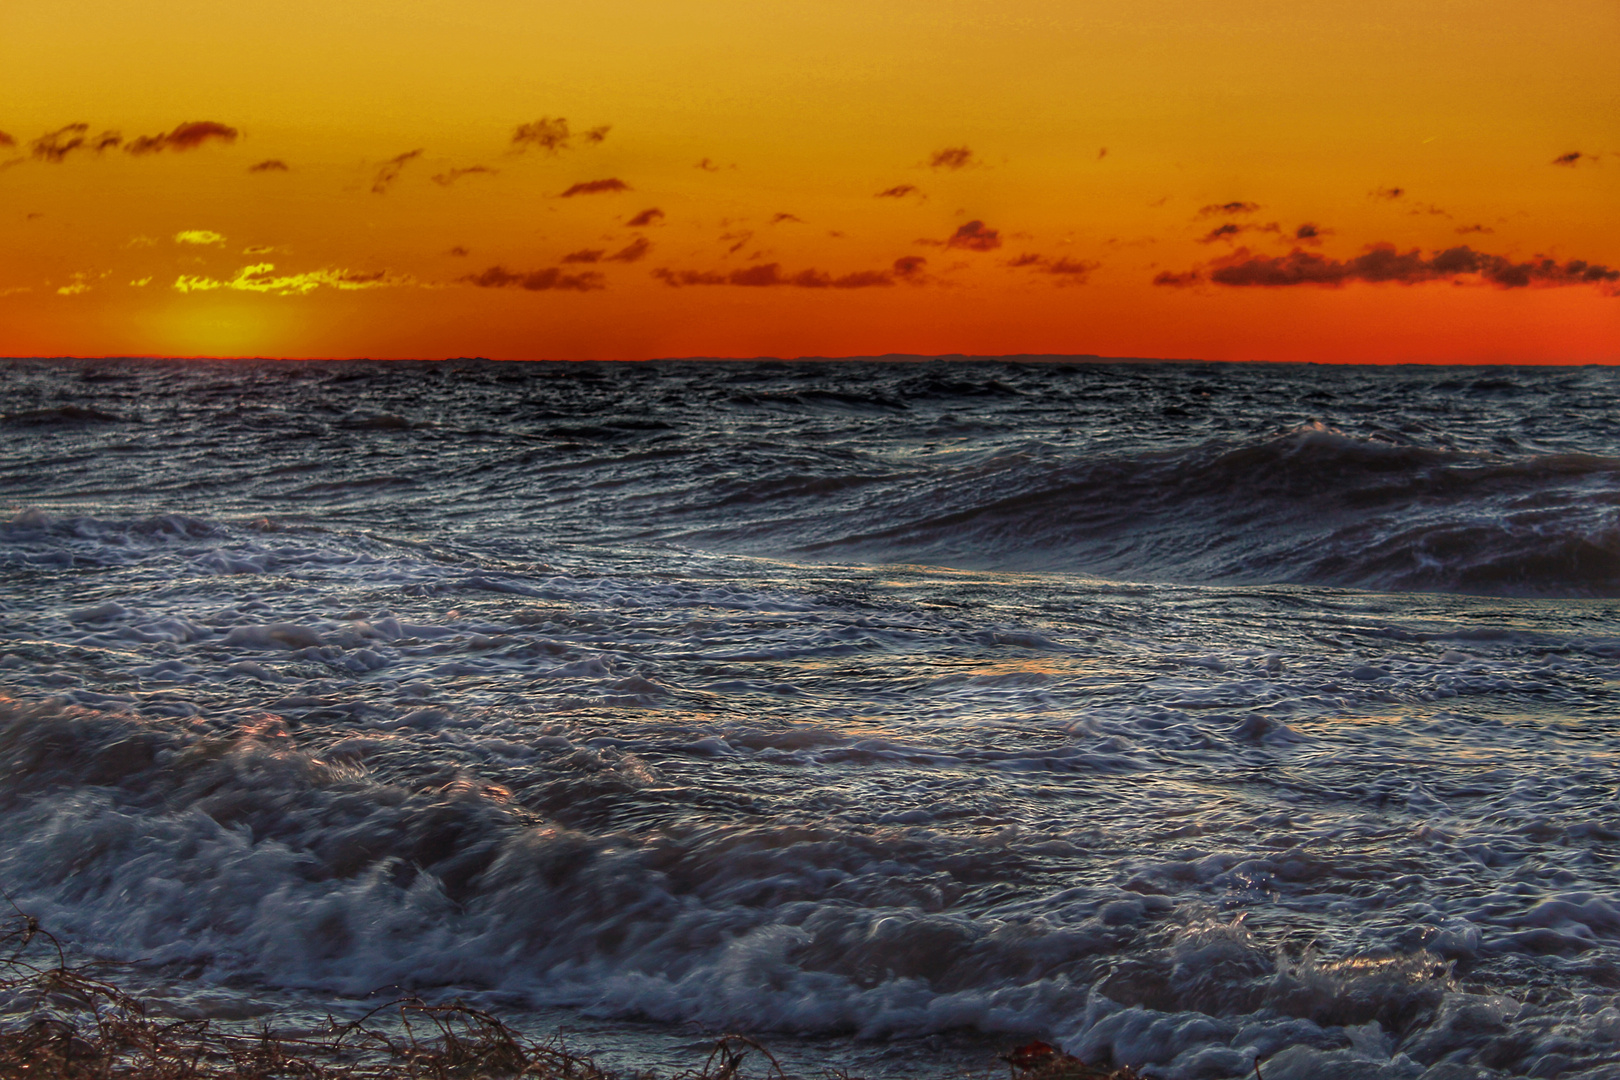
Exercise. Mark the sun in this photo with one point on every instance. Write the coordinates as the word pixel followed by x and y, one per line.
pixel 222 326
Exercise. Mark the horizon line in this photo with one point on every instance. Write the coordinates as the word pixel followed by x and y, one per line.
pixel 892 358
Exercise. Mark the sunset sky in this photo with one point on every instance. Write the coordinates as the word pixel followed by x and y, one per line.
pixel 1376 180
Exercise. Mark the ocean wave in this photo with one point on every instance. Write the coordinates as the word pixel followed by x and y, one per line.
pixel 239 852
pixel 1312 506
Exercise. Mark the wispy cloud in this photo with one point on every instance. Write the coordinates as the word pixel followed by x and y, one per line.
pixel 551 135
pixel 1230 229
pixel 1228 208
pixel 445 179
pixel 910 268
pixel 771 275
pixel 262 278
pixel 1311 233
pixel 951 158
pixel 649 216
pixel 55 146
pixel 899 191
pixel 1381 263
pixel 1464 230
pixel 779 218
pixel 1574 158
pixel 1065 270
pixel 634 251
pixel 1386 193
pixel 596 187
pixel 390 170
pixel 271 165
pixel 187 136
pixel 551 279
pixel 198 236
pixel 78 284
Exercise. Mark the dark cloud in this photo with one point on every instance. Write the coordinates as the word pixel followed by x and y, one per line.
pixel 390 170
pixel 188 136
pixel 952 158
pixel 1386 193
pixel 596 187
pixel 1068 271
pixel 445 179
pixel 552 278
pixel 1381 263
pixel 736 240
pixel 1076 269
pixel 1230 229
pixel 107 140
pixel 781 217
pixel 544 134
pixel 634 251
pixel 910 267
pixel 707 166
pixel 770 275
pixel 7 140
pixel 272 165
pixel 899 191
pixel 1228 208
pixel 1573 158
pixel 646 217
pixel 459 251
pixel 975 236
pixel 1102 153
pixel 1464 230
pixel 551 135
pixel 53 146
pixel 1311 233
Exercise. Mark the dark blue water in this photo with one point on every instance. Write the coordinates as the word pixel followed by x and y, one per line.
pixel 1187 715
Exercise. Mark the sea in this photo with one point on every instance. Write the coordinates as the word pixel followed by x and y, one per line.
pixel 893 712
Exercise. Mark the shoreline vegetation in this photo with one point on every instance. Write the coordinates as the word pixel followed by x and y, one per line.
pixel 61 1020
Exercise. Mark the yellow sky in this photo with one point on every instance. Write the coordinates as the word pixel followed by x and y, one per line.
pixel 1050 160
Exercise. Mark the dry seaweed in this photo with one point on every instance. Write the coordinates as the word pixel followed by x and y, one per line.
pixel 59 1021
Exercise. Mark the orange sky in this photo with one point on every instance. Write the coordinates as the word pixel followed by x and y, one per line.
pixel 1332 181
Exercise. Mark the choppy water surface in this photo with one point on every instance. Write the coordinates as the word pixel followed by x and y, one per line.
pixel 1182 714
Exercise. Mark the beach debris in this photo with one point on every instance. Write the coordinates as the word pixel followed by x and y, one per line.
pixel 1042 1061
